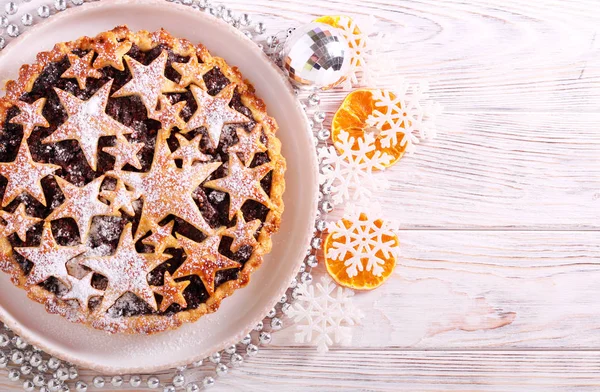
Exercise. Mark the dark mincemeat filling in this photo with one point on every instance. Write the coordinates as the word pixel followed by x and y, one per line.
pixel 75 169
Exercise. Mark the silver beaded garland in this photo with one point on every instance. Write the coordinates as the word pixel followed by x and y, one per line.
pixel 179 380
pixel 12 30
pixel 208 382
pixel 99 382
pixel 193 387
pixel 221 369
pixel 60 5
pixel 116 381
pixel 27 19
pixel 153 382
pixel 43 11
pixel 135 381
pixel 80 386
pixel 11 8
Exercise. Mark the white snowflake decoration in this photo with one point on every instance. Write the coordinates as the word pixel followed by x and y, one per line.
pixel 364 50
pixel 324 313
pixel 363 241
pixel 350 175
pixel 408 113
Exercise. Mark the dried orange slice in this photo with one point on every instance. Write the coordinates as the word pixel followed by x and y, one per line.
pixel 352 117
pixel 360 253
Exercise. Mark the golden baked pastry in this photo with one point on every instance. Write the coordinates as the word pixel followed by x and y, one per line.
pixel 141 181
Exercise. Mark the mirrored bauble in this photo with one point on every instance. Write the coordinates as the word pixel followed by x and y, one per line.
pixel 316 55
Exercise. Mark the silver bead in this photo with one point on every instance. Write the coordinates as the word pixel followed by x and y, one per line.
pixel 245 20
pixel 27 354
pixel 17 357
pixel 43 11
pixel 64 388
pixel 285 308
pixel 77 2
pixel 135 381
pixel 193 387
pixel 26 370
pixel 312 261
pixel 215 357
pixel 283 299
pixel 14 375
pixel 316 242
pixel 231 349
pixel 43 367
pixel 20 343
pixel 302 268
pixel 13 30
pixel 27 19
pixel 36 359
pixel 62 374
pixel 39 380
pixel 260 28
pixel 60 5
pixel 11 8
pixel 80 386
pixel 3 362
pixel 251 350
pixel 197 363
pixel 44 389
pixel 276 324
pixel 306 277
pixel 264 338
pixel 28 385
pixel 4 340
pixel 116 381
pixel 179 380
pixel 53 363
pixel 259 326
pixel 323 134
pixel 236 360
pixel 296 293
pixel 169 388
pixel 321 226
pixel 208 382
pixel 187 2
pixel 99 382
pixel 246 340
pixel 314 99
pixel 221 369
pixel 202 4
pixel 326 206
pixel 272 313
pixel 272 40
pixel 293 283
pixel 54 385
pixel 153 382
pixel 73 373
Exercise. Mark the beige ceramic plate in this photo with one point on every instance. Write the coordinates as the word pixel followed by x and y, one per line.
pixel 238 314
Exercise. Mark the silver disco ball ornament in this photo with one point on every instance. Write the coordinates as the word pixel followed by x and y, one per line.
pixel 316 55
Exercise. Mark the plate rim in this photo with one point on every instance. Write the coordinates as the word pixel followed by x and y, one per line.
pixel 287 88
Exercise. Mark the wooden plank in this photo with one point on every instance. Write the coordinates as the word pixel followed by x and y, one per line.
pixel 512 56
pixel 485 289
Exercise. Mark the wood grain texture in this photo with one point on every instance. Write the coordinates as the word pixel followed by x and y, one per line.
pixel 498 285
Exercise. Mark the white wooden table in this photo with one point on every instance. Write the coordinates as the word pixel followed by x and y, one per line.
pixel 498 288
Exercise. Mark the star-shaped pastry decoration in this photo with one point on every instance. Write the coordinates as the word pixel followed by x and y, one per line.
pixel 162 238
pixel 189 150
pixel 49 259
pixel 148 81
pixel 24 175
pixel 166 189
pixel 214 112
pixel 81 204
pixel 168 115
pixel 171 292
pixel 120 198
pixel 126 271
pixel 81 69
pixel 242 184
pixel 125 152
pixel 81 290
pixel 110 53
pixel 30 116
pixel 192 72
pixel 248 144
pixel 242 233
pixel 87 122
pixel 17 222
pixel 203 259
